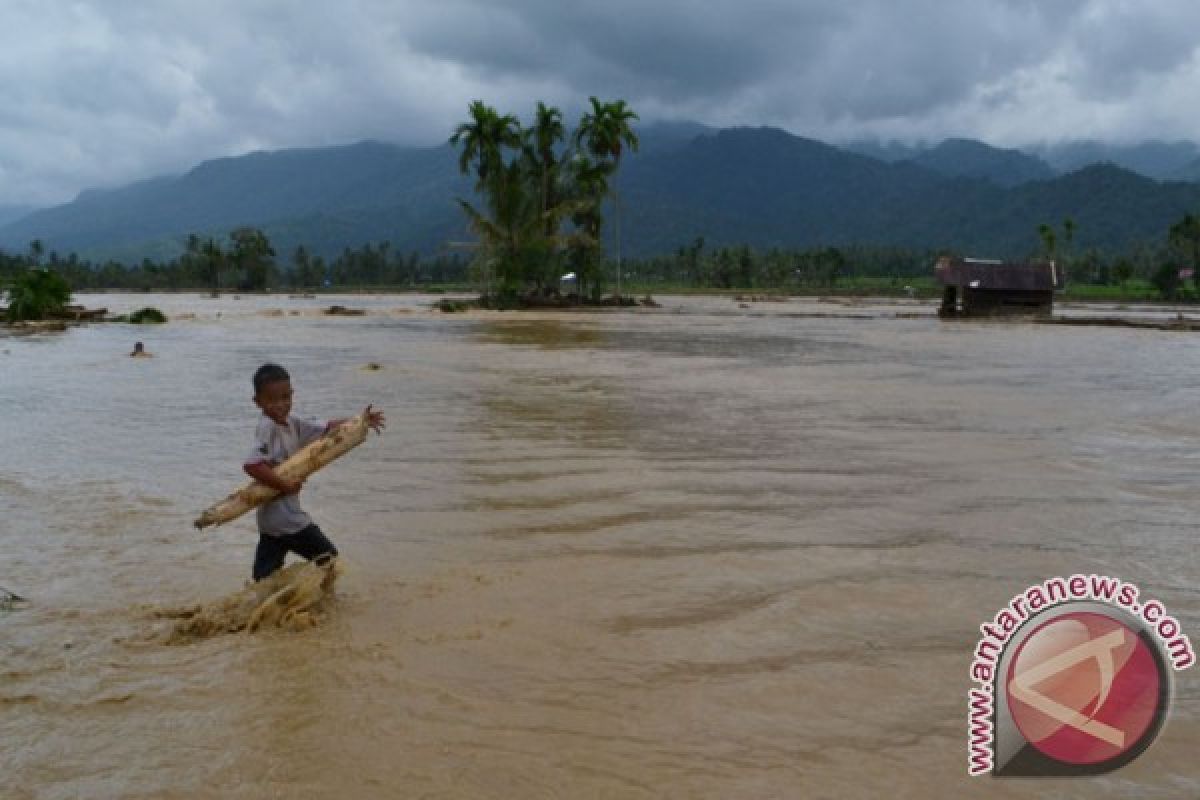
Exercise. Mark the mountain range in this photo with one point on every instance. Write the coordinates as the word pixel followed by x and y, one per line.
pixel 1162 161
pixel 758 186
pixel 9 213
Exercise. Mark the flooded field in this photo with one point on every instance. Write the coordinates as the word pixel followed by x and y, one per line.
pixel 701 551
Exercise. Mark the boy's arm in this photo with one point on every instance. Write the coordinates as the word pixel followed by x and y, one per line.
pixel 265 474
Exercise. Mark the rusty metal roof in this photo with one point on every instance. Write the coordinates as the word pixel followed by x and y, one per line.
pixel 974 273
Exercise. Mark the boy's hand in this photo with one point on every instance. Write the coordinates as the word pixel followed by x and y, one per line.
pixel 264 473
pixel 375 419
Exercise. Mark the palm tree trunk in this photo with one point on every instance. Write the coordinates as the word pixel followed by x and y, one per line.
pixel 617 211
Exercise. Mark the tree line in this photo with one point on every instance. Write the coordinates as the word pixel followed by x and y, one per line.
pixel 211 264
pixel 244 261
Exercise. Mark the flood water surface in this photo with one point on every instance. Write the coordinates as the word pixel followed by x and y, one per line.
pixel 700 551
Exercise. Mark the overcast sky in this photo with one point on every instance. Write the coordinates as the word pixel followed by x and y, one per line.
pixel 102 92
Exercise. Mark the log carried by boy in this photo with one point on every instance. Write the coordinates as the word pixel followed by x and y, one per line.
pixel 317 454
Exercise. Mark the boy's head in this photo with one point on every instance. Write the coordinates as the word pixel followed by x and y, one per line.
pixel 273 392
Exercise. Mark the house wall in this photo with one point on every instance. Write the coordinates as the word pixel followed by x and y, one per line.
pixel 1007 301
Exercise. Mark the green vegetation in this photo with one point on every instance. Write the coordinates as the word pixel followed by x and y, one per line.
pixel 1184 238
pixel 208 264
pixel 249 256
pixel 147 316
pixel 36 293
pixel 1142 275
pixel 531 186
pixel 606 130
pixel 1131 291
pixel 252 256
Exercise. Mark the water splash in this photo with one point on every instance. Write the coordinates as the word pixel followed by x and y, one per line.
pixel 294 598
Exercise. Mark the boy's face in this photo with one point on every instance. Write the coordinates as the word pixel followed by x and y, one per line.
pixel 275 399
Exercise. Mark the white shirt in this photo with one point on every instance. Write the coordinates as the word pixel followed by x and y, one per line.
pixel 273 444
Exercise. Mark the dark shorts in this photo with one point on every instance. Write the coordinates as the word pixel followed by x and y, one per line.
pixel 307 543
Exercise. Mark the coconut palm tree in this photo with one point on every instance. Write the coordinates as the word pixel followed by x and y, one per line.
pixel 586 186
pixel 214 258
pixel 483 139
pixel 1049 240
pixel 605 131
pixel 540 152
pixel 541 142
pixel 513 229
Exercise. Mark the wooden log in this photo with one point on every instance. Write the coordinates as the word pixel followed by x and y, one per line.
pixel 300 465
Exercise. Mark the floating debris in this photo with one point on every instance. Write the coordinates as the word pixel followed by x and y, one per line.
pixel 11 601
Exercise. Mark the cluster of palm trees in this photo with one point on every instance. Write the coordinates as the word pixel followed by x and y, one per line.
pixel 250 254
pixel 1050 239
pixel 543 194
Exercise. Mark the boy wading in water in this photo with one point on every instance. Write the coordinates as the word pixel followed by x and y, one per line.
pixel 283 526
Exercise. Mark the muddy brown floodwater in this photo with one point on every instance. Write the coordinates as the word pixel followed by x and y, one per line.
pixel 698 552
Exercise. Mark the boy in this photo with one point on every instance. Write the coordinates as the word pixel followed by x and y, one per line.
pixel 282 524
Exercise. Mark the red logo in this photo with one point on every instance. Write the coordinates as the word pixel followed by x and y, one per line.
pixel 1084 689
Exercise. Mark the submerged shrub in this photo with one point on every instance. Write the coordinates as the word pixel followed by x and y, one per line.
pixel 37 293
pixel 147 316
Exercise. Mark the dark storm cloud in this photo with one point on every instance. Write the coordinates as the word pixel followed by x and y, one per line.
pixel 99 93
pixel 814 61
pixel 675 50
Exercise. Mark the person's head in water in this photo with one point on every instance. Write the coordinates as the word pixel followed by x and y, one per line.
pixel 139 350
pixel 273 392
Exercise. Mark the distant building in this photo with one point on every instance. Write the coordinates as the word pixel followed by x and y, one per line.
pixel 978 288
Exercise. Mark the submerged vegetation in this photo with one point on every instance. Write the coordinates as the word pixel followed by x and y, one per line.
pixel 147 316
pixel 36 293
